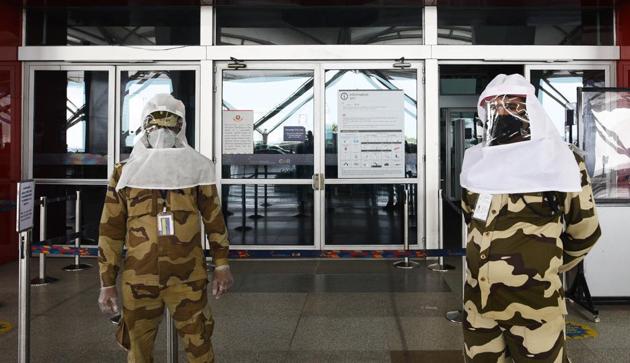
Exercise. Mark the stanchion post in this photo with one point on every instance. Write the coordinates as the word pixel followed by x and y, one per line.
pixel 77 266
pixel 24 318
pixel 457 316
pixel 406 262
pixel 440 266
pixel 243 227
pixel 171 339
pixel 42 279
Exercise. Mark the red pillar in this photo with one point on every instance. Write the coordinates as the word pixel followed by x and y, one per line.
pixel 10 122
pixel 622 13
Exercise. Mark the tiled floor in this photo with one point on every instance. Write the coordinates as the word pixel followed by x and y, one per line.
pixel 290 311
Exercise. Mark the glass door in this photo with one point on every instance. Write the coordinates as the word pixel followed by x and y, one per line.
pixel 557 87
pixel 372 164
pixel 266 132
pixel 137 84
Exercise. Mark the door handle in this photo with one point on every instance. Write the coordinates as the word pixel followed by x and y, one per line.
pixel 318 182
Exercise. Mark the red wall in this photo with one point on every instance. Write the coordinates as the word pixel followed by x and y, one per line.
pixel 10 107
pixel 623 40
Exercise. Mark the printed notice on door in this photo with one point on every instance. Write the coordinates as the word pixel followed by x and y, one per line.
pixel 371 139
pixel 238 132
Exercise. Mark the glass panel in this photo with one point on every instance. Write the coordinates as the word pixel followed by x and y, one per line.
pixel 606 120
pixel 464 130
pixel 404 80
pixel 70 124
pixel 565 24
pixel 279 104
pixel 7 119
pixel 319 25
pixel 369 214
pixel 269 214
pixel 113 25
pixel 557 91
pixel 61 215
pixel 137 87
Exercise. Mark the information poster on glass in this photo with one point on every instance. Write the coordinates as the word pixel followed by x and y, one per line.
pixel 238 132
pixel 371 141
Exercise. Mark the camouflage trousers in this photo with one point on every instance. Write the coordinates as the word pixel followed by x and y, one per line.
pixel 490 341
pixel 143 309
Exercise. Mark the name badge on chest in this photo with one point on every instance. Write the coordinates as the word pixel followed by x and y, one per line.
pixel 482 207
pixel 165 224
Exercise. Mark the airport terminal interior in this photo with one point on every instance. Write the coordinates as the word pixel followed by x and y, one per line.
pixel 277 94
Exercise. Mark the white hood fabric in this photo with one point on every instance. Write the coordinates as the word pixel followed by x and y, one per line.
pixel 166 168
pixel 544 163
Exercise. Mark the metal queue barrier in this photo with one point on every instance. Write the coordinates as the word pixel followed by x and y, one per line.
pixel 406 263
pixel 42 279
pixel 440 266
pixel 77 265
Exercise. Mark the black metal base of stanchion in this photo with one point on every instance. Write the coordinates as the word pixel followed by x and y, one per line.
pixel 243 228
pixel 75 267
pixel 266 204
pixel 440 267
pixel 45 281
pixel 256 216
pixel 455 316
pixel 406 264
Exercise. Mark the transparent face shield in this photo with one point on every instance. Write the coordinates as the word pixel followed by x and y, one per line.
pixel 161 129
pixel 507 120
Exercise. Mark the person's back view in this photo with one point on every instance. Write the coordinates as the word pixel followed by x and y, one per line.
pixel 530 212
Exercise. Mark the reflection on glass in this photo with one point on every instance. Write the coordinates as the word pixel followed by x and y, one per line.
pixel 138 87
pixel 404 80
pixel 606 119
pixel 319 25
pixel 6 119
pixel 70 124
pixel 565 24
pixel 112 25
pixel 463 131
pixel 281 103
pixel 269 214
pixel 61 215
pixel 557 91
pixel 369 214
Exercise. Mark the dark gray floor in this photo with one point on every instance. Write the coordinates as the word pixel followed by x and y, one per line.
pixel 289 311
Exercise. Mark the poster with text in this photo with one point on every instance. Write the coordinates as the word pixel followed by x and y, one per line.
pixel 238 132
pixel 371 139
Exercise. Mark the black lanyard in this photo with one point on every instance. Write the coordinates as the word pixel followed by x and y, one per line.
pixel 164 194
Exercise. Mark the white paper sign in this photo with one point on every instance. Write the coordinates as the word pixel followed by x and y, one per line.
pixel 238 132
pixel 25 205
pixel 371 140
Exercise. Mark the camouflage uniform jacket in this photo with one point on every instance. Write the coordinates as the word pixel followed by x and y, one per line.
pixel 515 256
pixel 130 218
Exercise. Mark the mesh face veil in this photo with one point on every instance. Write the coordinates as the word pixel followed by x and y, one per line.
pixel 507 120
pixel 161 129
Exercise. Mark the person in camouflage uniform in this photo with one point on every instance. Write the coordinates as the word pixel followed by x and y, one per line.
pixel 161 270
pixel 513 297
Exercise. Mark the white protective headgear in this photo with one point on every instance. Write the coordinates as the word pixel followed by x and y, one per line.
pixel 175 167
pixel 544 163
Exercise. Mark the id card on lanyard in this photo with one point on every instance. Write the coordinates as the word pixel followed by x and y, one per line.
pixel 482 207
pixel 165 224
